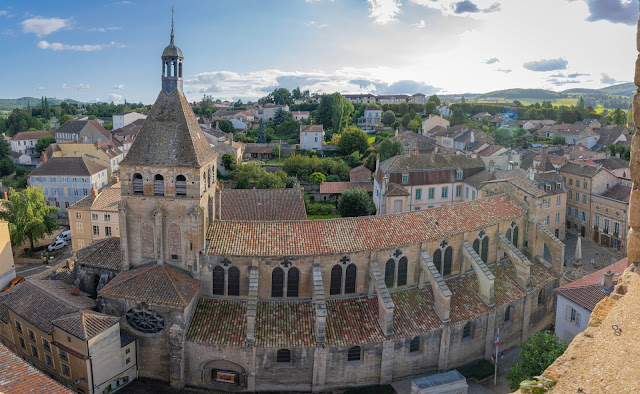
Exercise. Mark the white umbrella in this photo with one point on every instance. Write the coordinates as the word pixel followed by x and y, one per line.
pixel 578 255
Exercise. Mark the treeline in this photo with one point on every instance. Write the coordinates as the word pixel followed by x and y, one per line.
pixel 106 110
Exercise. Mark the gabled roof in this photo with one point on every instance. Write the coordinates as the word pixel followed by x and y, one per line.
pixel 587 291
pixel 612 163
pixel 312 128
pixel 347 235
pixel 395 190
pixel 85 324
pixel 18 376
pixel 339 187
pixel 162 285
pixel 618 192
pixel 170 136
pixel 402 163
pixel 580 169
pixel 262 204
pixel 78 166
pixel 76 126
pixel 104 253
pixel 477 180
pixel 32 135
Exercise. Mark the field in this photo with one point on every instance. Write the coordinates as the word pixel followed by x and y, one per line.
pixel 529 101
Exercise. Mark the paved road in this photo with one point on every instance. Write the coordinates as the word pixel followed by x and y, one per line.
pixel 27 270
pixel 602 256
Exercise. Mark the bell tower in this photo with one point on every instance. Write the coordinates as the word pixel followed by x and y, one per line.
pixel 172 65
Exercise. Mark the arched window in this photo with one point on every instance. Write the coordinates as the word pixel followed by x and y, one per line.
pixel 485 249
pixel 283 356
pixel 234 281
pixel 350 279
pixel 390 273
pixel 174 241
pixel 508 235
pixel 158 185
pixel 218 280
pixel 476 246
pixel 354 353
pixel 414 345
pixel 293 282
pixel 181 185
pixel 541 297
pixel 437 260
pixel 180 69
pixel 448 260
pixel 336 280
pixel 403 266
pixel 515 236
pixel 138 187
pixel 209 179
pixel 466 331
pixel 507 313
pixel 277 282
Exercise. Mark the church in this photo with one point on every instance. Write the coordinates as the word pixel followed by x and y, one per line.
pixel 305 305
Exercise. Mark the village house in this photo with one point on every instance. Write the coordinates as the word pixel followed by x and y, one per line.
pixel 243 115
pixel 592 123
pixel 7 265
pixel 95 217
pixel 615 164
pixel 417 98
pixel 613 135
pixel 413 141
pixel 578 134
pixel 25 142
pixel 66 180
pixel 87 131
pixel 103 153
pixel 299 115
pixel 311 136
pixel 371 119
pixel 124 136
pixel 576 300
pixel 609 214
pixel 358 177
pixel 360 98
pixel 24 377
pixel 229 146
pixel 392 98
pixel 126 118
pixel 267 111
pixel 428 124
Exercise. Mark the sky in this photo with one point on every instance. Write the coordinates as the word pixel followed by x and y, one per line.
pixel 243 49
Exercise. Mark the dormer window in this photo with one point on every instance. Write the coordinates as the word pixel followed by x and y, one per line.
pixel 405 178
pixel 158 185
pixel 138 187
pixel 459 175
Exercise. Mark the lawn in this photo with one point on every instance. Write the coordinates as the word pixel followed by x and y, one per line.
pixel 319 217
pixel 276 162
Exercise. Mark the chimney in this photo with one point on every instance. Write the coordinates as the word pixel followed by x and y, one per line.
pixel 531 173
pixel 618 155
pixel 491 166
pixel 608 154
pixel 94 192
pixel 473 136
pixel 229 138
pixel 608 281
pixel 116 179
pixel 377 162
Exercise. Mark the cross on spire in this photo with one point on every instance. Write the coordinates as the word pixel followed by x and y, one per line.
pixel 172 24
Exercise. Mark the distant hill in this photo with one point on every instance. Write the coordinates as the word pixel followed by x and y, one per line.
pixel 623 89
pixel 515 94
pixel 11 104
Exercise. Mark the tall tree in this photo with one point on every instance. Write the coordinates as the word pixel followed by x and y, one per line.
pixel 353 140
pixel 297 94
pixel 536 354
pixel 280 116
pixel 331 111
pixel 262 134
pixel 29 217
pixel 354 202
pixel 44 142
pixel 388 118
pixel 434 99
pixel 457 116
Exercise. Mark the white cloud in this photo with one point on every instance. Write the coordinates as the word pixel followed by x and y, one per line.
pixel 118 86
pixel 316 24
pixel 471 8
pixel 121 3
pixel 44 26
pixel 64 86
pixel 116 98
pixel 3 12
pixel 104 29
pixel 41 88
pixel 83 86
pixel 384 11
pixel 57 46
pixel 420 25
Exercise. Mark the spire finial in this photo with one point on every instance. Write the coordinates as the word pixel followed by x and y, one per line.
pixel 172 24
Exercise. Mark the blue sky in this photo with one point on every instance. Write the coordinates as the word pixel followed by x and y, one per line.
pixel 109 50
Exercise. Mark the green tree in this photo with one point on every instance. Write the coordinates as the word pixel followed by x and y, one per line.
pixel 406 119
pixel 280 116
pixel 354 160
pixel 6 166
pixel 354 202
pixel 317 178
pixel 262 134
pixel 536 354
pixel 44 142
pixel 276 151
pixel 388 118
pixel 330 111
pixel 503 136
pixel 243 183
pixel 414 125
pixel 581 102
pixel 252 171
pixel 29 216
pixel 558 140
pixel 353 140
pixel 5 148
pixel 388 148
pixel 66 118
pixel 226 126
pixel 457 116
pixel 297 94
pixel 228 161
pixel 270 181
pixel 435 99
pixel 618 117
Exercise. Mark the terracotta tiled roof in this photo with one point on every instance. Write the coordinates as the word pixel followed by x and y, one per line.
pixel 218 322
pixel 339 187
pixel 104 253
pixel 314 237
pixel 78 166
pixel 581 169
pixel 393 189
pixel 353 320
pixel 18 376
pixel 84 204
pixel 490 150
pixel 612 163
pixel 32 135
pixel 313 128
pixel 527 186
pixel 414 312
pixel 85 325
pixel 108 199
pixel 618 192
pixel 262 204
pixel 403 163
pixel 76 126
pixel 477 180
pixel 170 136
pixel 35 302
pixel 285 324
pixel 162 285
pixel 587 291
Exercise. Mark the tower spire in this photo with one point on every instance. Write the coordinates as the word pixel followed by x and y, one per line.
pixel 172 24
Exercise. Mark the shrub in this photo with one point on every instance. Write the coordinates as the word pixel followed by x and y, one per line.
pixel 317 178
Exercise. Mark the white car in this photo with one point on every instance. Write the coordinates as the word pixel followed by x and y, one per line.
pixel 64 236
pixel 57 244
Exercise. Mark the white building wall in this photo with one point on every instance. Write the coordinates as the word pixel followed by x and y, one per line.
pixel 566 329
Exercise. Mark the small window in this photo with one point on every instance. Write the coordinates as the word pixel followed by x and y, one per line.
pixel 414 345
pixel 46 345
pixel 49 360
pixel 65 369
pixel 137 184
pixel 405 178
pixel 107 231
pixel 541 297
pixel 32 335
pixel 107 217
pixel 69 339
pixel 128 360
pixel 459 174
pixel 466 331
pixel 127 351
pixel 96 230
pixel 283 356
pixel 34 351
pixel 507 313
pixel 22 344
pixel 63 355
pixel 354 353
pixel 18 327
pixel 94 216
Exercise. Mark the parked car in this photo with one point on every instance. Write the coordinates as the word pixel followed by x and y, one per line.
pixel 65 235
pixel 56 244
pixel 15 281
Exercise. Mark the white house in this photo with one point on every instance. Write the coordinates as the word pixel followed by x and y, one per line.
pixel 372 118
pixel 25 142
pixel 311 136
pixel 298 115
pixel 577 299
pixel 125 118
